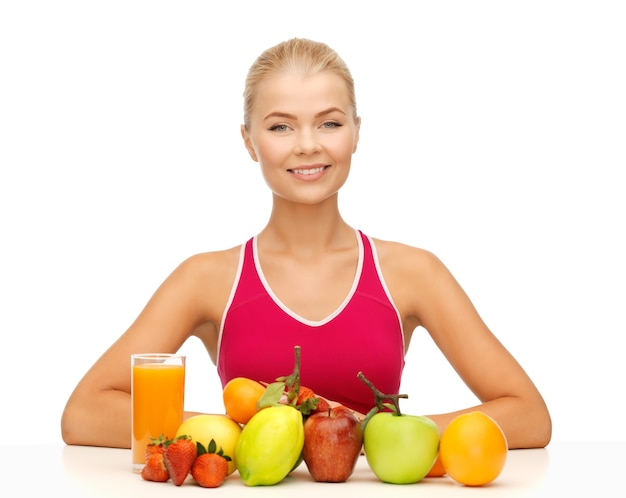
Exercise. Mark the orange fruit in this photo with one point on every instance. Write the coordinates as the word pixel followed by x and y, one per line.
pixel 240 396
pixel 437 469
pixel 473 449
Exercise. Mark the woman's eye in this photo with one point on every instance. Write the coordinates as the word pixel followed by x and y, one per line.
pixel 331 124
pixel 278 127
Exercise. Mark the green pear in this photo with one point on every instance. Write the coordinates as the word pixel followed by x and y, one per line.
pixel 270 445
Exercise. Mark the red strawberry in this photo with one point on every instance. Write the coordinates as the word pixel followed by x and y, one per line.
pixel 322 406
pixel 304 394
pixel 156 445
pixel 179 456
pixel 210 467
pixel 209 470
pixel 308 402
pixel 154 469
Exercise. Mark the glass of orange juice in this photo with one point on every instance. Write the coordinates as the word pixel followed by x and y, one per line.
pixel 158 396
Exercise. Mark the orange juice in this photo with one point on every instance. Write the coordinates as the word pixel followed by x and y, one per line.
pixel 157 403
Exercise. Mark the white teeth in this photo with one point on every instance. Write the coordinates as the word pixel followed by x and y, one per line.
pixel 308 171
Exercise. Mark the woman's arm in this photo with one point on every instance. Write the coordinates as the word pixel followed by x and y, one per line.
pixel 427 294
pixel 98 412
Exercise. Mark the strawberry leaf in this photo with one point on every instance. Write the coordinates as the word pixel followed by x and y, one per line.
pixel 158 440
pixel 212 446
pixel 308 406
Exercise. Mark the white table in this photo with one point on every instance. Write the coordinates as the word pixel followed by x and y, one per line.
pixel 562 469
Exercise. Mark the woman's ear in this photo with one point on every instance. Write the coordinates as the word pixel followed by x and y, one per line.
pixel 248 143
pixel 357 129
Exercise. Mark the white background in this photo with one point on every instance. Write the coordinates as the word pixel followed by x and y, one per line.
pixel 494 134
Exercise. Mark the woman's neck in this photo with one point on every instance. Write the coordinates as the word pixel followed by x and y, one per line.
pixel 304 228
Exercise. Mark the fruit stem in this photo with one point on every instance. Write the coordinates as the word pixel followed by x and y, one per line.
pixel 380 397
pixel 292 382
pixel 289 384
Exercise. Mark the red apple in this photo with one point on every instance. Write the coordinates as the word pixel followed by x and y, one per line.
pixel 332 444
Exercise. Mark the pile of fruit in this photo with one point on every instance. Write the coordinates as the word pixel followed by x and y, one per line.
pixel 270 429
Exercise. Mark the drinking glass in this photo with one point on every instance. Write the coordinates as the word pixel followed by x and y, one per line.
pixel 158 396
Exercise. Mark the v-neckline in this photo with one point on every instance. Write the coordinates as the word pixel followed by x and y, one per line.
pixel 289 311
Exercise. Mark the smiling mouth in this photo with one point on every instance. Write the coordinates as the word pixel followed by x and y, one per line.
pixel 309 171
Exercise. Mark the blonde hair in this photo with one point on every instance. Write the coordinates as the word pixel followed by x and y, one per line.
pixel 299 55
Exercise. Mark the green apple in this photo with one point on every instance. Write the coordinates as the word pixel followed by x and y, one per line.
pixel 400 449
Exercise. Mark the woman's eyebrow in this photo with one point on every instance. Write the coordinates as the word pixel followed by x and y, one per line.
pixel 277 114
pixel 286 115
pixel 329 111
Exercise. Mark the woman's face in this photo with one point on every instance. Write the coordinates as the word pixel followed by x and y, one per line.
pixel 303 132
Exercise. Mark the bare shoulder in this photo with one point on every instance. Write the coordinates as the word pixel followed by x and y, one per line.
pixel 210 275
pixel 397 256
pixel 212 264
pixel 193 295
pixel 416 278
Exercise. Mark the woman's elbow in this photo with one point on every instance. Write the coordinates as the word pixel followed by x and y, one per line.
pixel 68 425
pixel 75 428
pixel 538 428
pixel 544 430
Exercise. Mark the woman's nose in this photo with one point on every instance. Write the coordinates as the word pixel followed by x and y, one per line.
pixel 307 143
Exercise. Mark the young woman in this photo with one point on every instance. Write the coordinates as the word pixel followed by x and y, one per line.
pixel 351 302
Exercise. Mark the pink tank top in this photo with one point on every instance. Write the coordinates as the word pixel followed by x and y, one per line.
pixel 259 333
